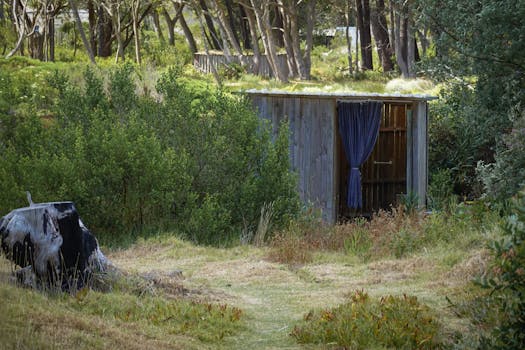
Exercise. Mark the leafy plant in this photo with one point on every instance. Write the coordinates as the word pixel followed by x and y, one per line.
pixel 506 279
pixel 198 161
pixel 364 323
pixel 503 178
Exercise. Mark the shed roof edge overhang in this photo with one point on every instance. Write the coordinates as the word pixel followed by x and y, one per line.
pixel 342 95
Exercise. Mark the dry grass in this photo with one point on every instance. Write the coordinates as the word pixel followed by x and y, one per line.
pixel 310 266
pixel 366 238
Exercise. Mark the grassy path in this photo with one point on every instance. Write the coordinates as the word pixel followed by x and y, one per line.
pixel 275 296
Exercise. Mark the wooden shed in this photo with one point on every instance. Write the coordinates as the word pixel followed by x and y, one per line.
pixel 397 165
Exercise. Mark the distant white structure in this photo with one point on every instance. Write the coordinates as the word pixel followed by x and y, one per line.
pixel 330 33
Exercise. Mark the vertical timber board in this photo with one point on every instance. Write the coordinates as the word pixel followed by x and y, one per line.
pixel 306 150
pixel 329 164
pixel 315 154
pixel 277 113
pixel 418 183
pixel 336 164
pixel 410 152
pixel 422 146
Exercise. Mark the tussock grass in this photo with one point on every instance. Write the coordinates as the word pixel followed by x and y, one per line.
pixel 410 86
pixel 136 314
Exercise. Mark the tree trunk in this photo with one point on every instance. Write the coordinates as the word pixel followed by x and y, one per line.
pixel 276 23
pixel 206 48
pixel 399 45
pixel 262 15
pixel 136 31
pixel 348 38
pixel 80 29
pixel 224 26
pixel 380 31
pixel 115 18
pixel 231 21
pixel 391 10
pixel 214 39
pixel 51 38
pixel 170 23
pixel 287 17
pixel 105 30
pixel 156 25
pixel 411 45
pixel 188 34
pixel 245 30
pixel 252 23
pixel 92 26
pixel 310 22
pixel 363 23
pixel 423 40
pixel 20 25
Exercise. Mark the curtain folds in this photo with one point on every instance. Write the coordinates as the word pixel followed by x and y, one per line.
pixel 359 128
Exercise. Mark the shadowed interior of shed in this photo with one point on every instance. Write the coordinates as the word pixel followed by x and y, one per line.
pixel 383 175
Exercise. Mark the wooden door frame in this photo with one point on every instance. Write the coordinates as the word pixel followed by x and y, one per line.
pixel 409 106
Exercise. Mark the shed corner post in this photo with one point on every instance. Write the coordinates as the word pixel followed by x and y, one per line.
pixel 420 152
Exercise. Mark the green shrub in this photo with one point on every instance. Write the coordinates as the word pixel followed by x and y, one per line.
pixel 198 161
pixel 364 323
pixel 507 281
pixel 503 178
pixel 440 190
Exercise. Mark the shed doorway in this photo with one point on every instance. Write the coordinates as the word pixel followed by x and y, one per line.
pixel 384 174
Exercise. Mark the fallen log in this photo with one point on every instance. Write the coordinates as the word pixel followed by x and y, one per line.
pixel 50 241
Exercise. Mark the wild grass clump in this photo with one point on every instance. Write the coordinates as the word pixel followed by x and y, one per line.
pixel 364 323
pixel 298 243
pixel 394 233
pixel 132 313
pixel 205 321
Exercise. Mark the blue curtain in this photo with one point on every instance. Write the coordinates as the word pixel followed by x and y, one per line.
pixel 359 128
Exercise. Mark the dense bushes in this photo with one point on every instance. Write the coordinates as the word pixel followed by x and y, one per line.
pixel 507 281
pixel 198 160
pixel 503 178
pixel 364 323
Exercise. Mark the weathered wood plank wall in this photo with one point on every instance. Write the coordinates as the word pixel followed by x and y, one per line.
pixel 206 63
pixel 312 143
pixel 419 148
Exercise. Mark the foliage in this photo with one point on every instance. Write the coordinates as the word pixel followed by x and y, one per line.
pixel 460 135
pixel 158 54
pixel 440 190
pixel 198 160
pixel 507 281
pixel 364 323
pixel 503 178
pixel 477 49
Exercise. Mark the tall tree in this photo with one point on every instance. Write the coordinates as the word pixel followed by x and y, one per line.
pixel 299 62
pixel 80 29
pixel 365 37
pixel 262 14
pixel 252 24
pixel 380 31
pixel 213 38
pixel 104 33
pixel 155 18
pixel 135 13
